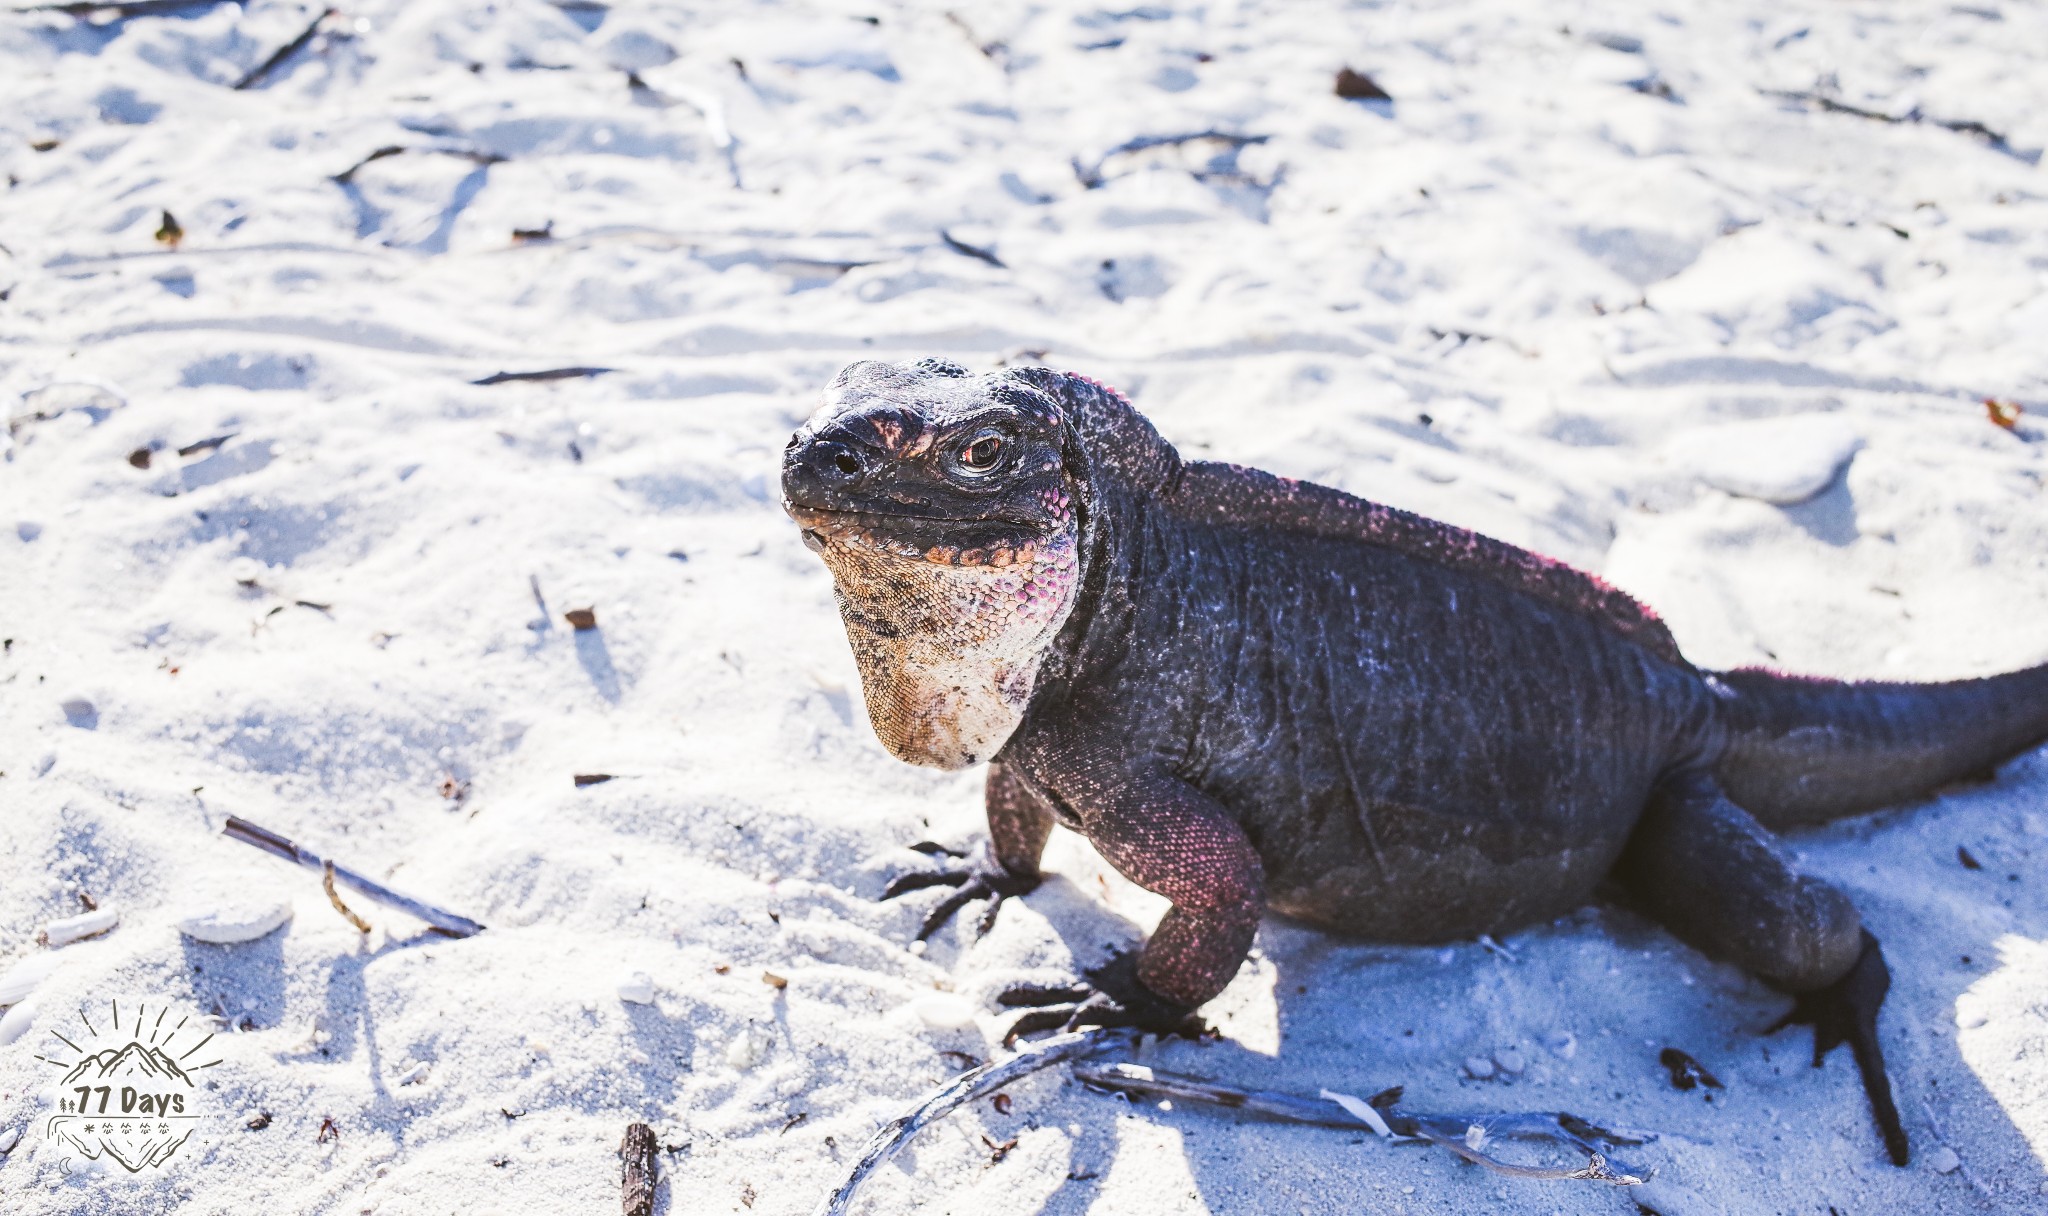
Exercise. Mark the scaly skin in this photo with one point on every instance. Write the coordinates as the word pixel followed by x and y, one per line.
pixel 1256 694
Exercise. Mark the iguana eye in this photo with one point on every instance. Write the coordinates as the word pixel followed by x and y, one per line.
pixel 982 455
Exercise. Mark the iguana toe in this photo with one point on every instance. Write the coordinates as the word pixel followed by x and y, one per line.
pixel 1112 997
pixel 1846 1012
pixel 984 878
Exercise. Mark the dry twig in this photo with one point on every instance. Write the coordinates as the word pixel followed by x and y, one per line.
pixel 1464 1135
pixel 120 11
pixel 261 72
pixel 1962 126
pixel 965 1088
pixel 552 373
pixel 473 155
pixel 441 919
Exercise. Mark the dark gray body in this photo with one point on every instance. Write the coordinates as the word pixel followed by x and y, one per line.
pixel 1416 753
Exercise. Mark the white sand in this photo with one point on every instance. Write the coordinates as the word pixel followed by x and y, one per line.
pixel 1644 271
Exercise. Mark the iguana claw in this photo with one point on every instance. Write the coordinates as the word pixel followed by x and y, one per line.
pixel 1846 1012
pixel 984 878
pixel 1113 996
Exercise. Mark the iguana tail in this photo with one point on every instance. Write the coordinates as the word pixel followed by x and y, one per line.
pixel 1806 751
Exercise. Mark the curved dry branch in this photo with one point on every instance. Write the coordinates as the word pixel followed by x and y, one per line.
pixel 965 1088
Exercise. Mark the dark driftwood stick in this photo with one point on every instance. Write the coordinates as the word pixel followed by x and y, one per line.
pixel 638 1172
pixel 270 842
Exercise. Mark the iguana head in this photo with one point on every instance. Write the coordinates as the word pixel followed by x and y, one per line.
pixel 945 508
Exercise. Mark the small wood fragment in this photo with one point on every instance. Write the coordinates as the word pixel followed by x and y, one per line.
pixel 258 1121
pixel 334 897
pixel 2004 413
pixel 205 445
pixel 996 1152
pixel 581 619
pixel 168 232
pixel 773 980
pixel 1686 1072
pixel 1357 86
pixel 583 779
pixel 972 251
pixel 639 1171
pixel 139 458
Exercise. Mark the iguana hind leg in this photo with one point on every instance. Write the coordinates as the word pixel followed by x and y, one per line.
pixel 1705 869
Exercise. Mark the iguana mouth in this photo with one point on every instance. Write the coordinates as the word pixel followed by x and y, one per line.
pixel 930 538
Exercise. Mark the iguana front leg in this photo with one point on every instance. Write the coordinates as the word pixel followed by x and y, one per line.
pixel 1018 827
pixel 1173 840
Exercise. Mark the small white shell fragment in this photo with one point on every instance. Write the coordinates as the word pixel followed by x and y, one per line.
pixel 21 979
pixel 1510 1062
pixel 943 1011
pixel 1360 1110
pixel 18 1020
pixel 1479 1068
pixel 748 1048
pixel 233 923
pixel 78 928
pixel 413 1075
pixel 1944 1160
pixel 8 1139
pixel 637 987
pixel 1971 1018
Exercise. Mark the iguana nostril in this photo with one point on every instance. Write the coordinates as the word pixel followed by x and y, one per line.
pixel 823 463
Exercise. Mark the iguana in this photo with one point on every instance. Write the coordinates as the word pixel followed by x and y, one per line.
pixel 1252 693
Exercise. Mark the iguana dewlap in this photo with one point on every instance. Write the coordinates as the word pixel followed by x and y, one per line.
pixel 1256 694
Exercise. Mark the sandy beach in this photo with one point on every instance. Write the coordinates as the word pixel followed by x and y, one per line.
pixel 1705 298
